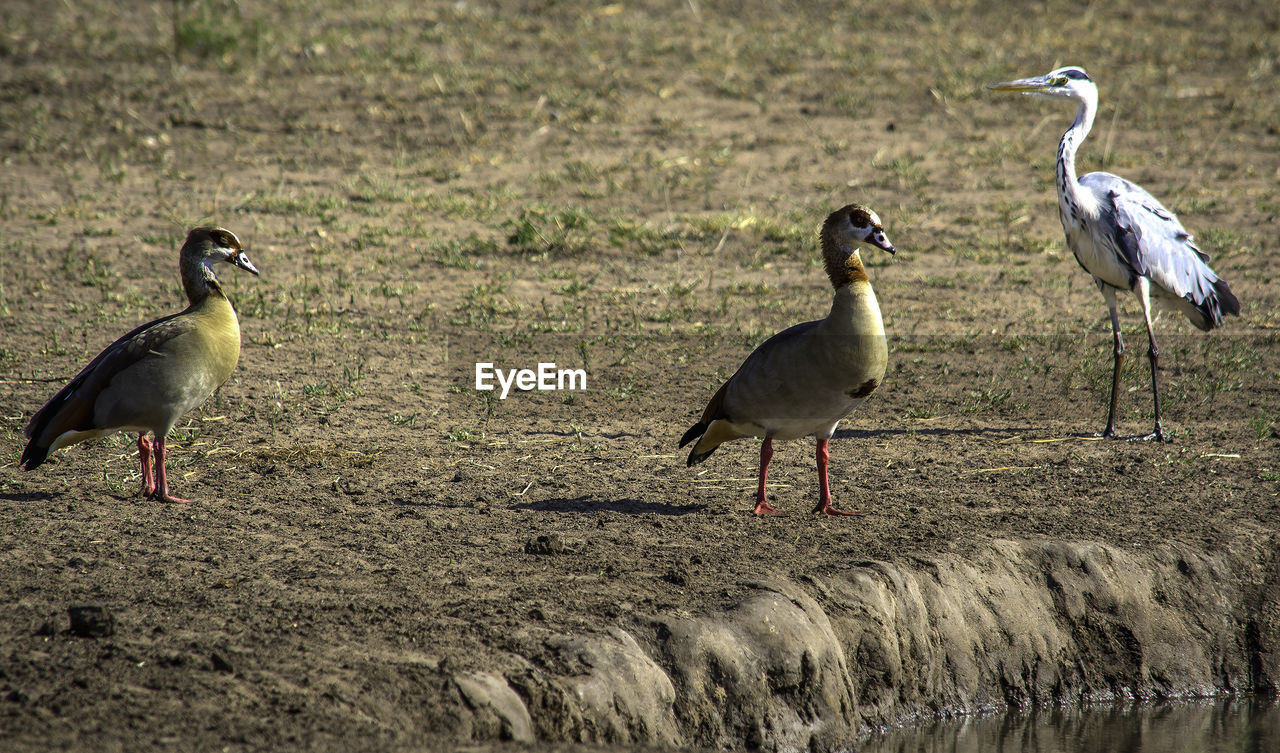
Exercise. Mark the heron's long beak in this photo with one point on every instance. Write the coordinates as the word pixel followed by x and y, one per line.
pixel 1030 85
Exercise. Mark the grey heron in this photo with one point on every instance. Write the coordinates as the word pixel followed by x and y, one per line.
pixel 1125 237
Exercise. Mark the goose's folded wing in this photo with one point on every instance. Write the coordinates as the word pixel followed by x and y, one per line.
pixel 72 408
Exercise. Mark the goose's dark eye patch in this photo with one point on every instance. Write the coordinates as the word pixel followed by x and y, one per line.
pixel 225 240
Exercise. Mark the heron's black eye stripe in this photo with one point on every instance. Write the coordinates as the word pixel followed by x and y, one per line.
pixel 1075 73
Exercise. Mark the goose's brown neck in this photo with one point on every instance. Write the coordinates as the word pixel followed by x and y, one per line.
pixel 843 264
pixel 198 281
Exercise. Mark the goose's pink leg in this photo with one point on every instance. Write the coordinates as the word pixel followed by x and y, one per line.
pixel 162 476
pixel 144 456
pixel 762 505
pixel 824 490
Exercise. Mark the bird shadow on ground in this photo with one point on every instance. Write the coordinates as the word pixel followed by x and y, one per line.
pixel 28 497
pixel 625 506
pixel 1010 432
pixel 584 434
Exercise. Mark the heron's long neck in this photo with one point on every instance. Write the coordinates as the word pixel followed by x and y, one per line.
pixel 1070 192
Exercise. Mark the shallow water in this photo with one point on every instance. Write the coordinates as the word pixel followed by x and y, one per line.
pixel 1211 726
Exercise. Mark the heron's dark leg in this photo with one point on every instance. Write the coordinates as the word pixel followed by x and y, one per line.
pixel 766 454
pixel 1153 355
pixel 1113 309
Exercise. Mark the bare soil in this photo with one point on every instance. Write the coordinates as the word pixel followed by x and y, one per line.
pixel 381 556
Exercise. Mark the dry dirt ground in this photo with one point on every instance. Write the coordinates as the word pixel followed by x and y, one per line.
pixel 630 189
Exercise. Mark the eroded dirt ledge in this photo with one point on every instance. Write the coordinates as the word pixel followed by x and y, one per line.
pixel 634 188
pixel 811 665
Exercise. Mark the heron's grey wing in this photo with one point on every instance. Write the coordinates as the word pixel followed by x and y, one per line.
pixel 1151 239
pixel 1155 245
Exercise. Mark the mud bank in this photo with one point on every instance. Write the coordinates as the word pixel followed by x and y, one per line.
pixel 812 665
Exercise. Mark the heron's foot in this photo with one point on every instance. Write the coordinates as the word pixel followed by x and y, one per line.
pixel 830 509
pixel 764 508
pixel 1108 433
pixel 1158 435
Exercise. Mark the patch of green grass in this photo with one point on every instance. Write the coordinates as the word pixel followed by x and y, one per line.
pixel 574 287
pixel 540 232
pixel 465 253
pixel 216 30
pixel 485 303
pixel 1223 243
pixel 907 172
pixel 324 206
pixel 1264 424
pixel 1013 344
pixel 921 412
pixel 625 390
pixel 981 401
pixel 1227 363
pixel 375 189
pixel 643 239
pixel 469 202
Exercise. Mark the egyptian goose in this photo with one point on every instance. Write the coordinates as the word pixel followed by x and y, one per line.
pixel 804 379
pixel 148 379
